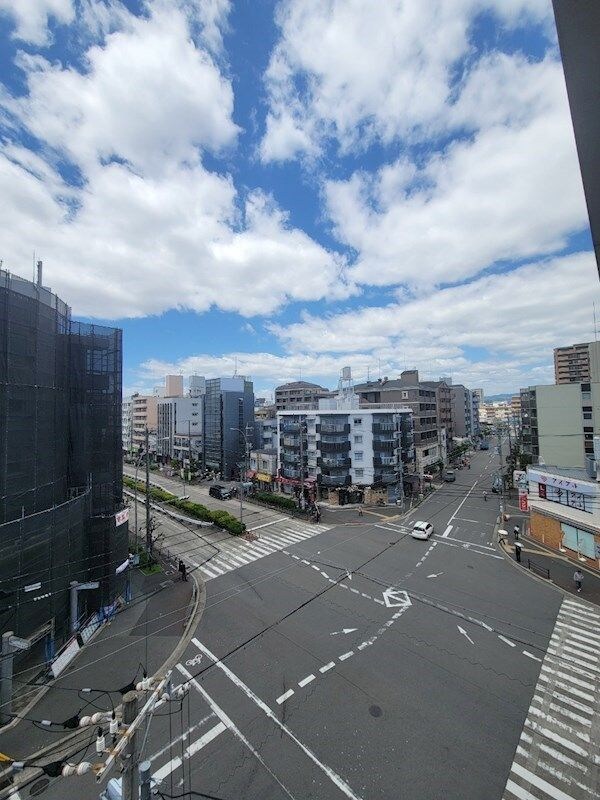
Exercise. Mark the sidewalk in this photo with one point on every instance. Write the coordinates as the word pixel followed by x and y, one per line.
pixel 146 633
pixel 539 559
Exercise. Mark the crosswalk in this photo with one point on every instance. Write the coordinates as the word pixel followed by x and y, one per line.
pixel 558 755
pixel 235 553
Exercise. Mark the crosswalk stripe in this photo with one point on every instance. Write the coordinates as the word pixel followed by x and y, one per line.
pixel 209 572
pixel 580 609
pixel 558 752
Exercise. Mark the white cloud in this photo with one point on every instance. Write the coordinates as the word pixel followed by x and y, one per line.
pixel 523 313
pixel 511 191
pixel 357 71
pixel 149 96
pixel 149 228
pixel 31 17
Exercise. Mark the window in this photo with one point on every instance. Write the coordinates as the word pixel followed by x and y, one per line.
pixel 359 472
pixel 358 440
pixel 587 415
pixel 357 421
pixel 578 540
pixel 405 395
pixel 358 456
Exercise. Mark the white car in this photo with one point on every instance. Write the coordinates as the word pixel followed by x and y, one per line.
pixel 422 530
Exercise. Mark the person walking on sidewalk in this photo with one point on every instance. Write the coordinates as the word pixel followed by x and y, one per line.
pixel 516 532
pixel 183 570
pixel 578 578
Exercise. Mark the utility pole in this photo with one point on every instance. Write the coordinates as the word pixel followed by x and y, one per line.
pixel 10 644
pixel 130 773
pixel 148 526
pixel 499 436
pixel 145 767
pixel 301 464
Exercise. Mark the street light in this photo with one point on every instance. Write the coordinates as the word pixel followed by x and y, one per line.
pixel 242 465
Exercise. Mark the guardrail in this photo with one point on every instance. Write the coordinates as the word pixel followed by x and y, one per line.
pixel 538 569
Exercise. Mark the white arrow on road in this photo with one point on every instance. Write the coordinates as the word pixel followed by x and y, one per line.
pixel 435 574
pixel 465 634
pixel 396 597
pixel 344 630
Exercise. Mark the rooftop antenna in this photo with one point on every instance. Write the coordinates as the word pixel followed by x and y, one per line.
pixel 33 267
pixel 235 373
pixel 368 374
pixel 379 360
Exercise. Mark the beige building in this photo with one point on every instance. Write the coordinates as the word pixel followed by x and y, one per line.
pixel 143 414
pixel 577 363
pixel 559 423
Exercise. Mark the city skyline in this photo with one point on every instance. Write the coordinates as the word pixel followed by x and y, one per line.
pixel 293 210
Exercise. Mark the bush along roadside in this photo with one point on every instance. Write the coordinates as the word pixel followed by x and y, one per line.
pixel 275 500
pixel 222 519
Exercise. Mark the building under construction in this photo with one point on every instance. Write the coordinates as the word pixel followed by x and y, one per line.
pixel 60 463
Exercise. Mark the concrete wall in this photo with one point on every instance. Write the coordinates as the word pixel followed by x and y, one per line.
pixel 548 531
pixel 560 425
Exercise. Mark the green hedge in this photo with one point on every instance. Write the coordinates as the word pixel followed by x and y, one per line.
pixel 223 519
pixel 276 500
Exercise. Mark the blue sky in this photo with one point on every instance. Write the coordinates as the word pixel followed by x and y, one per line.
pixel 288 187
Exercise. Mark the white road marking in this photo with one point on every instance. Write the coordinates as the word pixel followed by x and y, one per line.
pixel 465 634
pixel 327 667
pixel 266 524
pixel 282 698
pixel 336 779
pixel 463 501
pixel 540 783
pixel 230 725
pixel 435 575
pixel 506 641
pixel 346 655
pixel 190 751
pixel 446 533
pixel 530 655
pixel 344 630
pixel 305 681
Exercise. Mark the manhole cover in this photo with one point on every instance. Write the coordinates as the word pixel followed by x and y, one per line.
pixel 38 787
pixel 375 711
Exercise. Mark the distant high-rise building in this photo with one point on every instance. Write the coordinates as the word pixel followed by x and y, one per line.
pixel 577 363
pixel 173 385
pixel 228 414
pixel 294 395
pixel 479 394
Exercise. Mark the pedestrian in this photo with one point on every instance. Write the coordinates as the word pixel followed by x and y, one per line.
pixel 578 578
pixel 182 570
pixel 485 496
pixel 360 511
pixel 516 532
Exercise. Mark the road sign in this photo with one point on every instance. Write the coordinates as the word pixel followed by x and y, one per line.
pixel 396 597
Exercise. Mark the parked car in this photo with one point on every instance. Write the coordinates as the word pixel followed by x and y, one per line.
pixel 220 492
pixel 422 530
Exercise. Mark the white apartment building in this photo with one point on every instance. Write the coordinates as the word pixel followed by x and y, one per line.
pixel 143 415
pixel 179 427
pixel 342 444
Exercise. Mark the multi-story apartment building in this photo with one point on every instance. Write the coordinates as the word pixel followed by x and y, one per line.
pixel 480 396
pixel 61 493
pixel 343 444
pixel 127 427
pixel 143 415
pixel 263 467
pixel 559 422
pixel 296 394
pixel 462 411
pixel 577 363
pixel 179 427
pixel 421 398
pixel 475 430
pixel 444 415
pixel 228 418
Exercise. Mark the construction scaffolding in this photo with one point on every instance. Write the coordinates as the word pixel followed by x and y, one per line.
pixel 60 459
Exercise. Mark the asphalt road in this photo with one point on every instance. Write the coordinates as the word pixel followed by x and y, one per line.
pixel 311 680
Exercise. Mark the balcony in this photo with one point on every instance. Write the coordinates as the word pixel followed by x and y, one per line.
pixel 385 461
pixel 386 477
pixel 384 445
pixel 334 428
pixel 335 480
pixel 290 427
pixel 295 474
pixel 384 427
pixel 334 447
pixel 292 458
pixel 292 443
pixel 335 463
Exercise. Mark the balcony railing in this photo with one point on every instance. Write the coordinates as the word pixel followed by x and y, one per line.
pixel 333 428
pixel 386 446
pixel 340 463
pixel 334 447
pixel 385 461
pixel 335 480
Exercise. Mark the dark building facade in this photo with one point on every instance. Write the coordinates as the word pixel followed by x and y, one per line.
pixel 290 396
pixel 228 409
pixel 60 461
